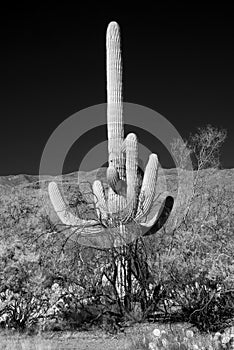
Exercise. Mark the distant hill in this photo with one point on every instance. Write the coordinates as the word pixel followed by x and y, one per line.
pixel 224 176
pixel 17 180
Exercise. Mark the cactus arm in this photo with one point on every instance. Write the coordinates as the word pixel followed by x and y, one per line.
pixel 156 223
pixel 91 230
pixel 148 187
pixel 100 200
pixel 113 178
pixel 140 172
pixel 62 211
pixel 131 174
pixel 160 203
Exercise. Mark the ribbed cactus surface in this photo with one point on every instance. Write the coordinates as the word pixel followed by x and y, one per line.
pixel 129 200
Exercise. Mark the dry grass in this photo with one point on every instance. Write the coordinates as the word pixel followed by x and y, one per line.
pixel 131 339
pixel 92 340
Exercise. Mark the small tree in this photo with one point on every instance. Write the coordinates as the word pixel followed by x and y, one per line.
pixel 205 146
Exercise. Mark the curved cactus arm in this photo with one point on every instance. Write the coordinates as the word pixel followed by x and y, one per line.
pixel 131 174
pixel 100 200
pixel 92 230
pixel 148 187
pixel 160 202
pixel 112 176
pixel 62 211
pixel 85 231
pixel 156 223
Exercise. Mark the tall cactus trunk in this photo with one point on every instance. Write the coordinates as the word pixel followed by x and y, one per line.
pixel 115 131
pixel 115 128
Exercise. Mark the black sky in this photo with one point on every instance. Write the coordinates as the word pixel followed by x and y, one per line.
pixel 177 60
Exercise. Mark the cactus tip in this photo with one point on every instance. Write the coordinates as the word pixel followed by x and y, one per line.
pixel 52 186
pixel 113 31
pixel 113 25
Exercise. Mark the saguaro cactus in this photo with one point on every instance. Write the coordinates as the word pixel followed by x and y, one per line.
pixel 129 198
